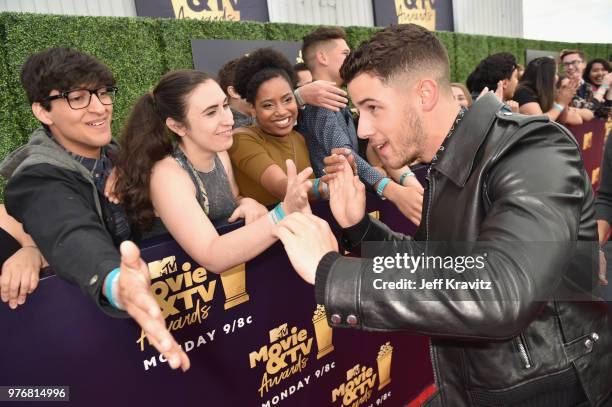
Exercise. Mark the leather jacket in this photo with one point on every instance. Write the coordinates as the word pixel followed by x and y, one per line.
pixel 502 177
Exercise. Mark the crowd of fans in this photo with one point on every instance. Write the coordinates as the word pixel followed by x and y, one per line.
pixel 196 151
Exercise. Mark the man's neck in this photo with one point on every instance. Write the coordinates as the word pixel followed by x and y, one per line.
pixel 74 148
pixel 320 74
pixel 438 125
pixel 239 107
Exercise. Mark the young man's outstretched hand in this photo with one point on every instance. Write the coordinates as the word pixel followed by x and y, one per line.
pixel 135 296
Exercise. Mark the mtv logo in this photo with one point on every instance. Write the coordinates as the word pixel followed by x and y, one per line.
pixel 352 372
pixel 280 332
pixel 162 267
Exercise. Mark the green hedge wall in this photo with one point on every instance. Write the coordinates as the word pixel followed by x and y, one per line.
pixel 140 50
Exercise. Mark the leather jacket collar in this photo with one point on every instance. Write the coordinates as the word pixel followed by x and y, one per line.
pixel 478 121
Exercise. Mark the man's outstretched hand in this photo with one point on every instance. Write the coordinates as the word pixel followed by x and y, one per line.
pixel 135 296
pixel 306 238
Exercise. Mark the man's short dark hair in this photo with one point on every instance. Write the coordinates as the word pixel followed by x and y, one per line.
pixel 397 50
pixel 566 52
pixel 491 70
pixel 61 69
pixel 315 38
pixel 227 74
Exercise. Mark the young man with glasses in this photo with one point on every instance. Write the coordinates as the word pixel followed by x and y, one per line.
pixel 56 190
pixel 573 63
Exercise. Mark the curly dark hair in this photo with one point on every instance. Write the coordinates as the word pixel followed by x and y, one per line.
pixel 62 69
pixel 589 66
pixel 491 70
pixel 260 66
pixel 399 49
pixel 146 140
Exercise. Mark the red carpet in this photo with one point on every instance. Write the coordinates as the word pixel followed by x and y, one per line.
pixel 421 398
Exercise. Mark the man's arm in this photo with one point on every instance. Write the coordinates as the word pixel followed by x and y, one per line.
pixel 331 131
pixel 522 211
pixel 321 93
pixel 51 205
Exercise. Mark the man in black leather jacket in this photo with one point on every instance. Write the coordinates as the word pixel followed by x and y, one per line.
pixel 512 185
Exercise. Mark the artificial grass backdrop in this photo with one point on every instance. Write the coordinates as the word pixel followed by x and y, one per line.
pixel 140 50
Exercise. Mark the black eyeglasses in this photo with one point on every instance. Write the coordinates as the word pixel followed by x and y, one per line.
pixel 81 98
pixel 573 63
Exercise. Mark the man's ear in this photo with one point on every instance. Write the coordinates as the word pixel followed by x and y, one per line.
pixel 178 128
pixel 231 91
pixel 253 111
pixel 429 92
pixel 321 57
pixel 42 114
pixel 505 83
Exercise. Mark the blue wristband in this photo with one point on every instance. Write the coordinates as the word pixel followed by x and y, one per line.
pixel 404 175
pixel 381 186
pixel 558 106
pixel 108 284
pixel 280 213
pixel 315 188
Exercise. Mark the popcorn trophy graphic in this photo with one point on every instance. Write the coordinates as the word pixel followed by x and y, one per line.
pixel 587 141
pixel 323 332
pixel 385 354
pixel 234 286
pixel 412 13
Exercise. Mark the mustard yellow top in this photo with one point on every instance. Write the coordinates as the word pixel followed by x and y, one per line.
pixel 254 151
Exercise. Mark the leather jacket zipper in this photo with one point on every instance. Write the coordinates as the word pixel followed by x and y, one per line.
pixel 434 362
pixel 523 351
pixel 430 188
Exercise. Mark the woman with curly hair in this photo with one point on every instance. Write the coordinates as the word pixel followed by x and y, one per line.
pixel 266 79
pixel 174 174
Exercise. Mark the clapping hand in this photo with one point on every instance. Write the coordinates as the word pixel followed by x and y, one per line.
pixel 335 163
pixel 298 185
pixel 346 195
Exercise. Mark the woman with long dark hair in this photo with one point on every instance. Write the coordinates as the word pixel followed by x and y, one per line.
pixel 265 78
pixel 536 94
pixel 174 173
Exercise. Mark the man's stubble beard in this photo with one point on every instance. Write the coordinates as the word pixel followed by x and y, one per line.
pixel 412 139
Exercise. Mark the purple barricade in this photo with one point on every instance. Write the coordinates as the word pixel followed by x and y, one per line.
pixel 254 335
